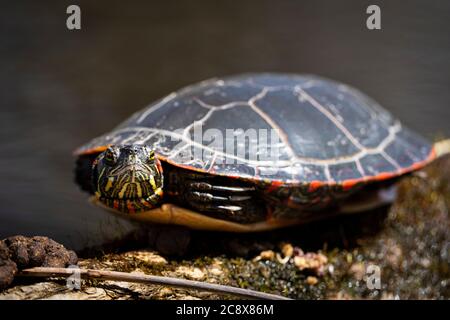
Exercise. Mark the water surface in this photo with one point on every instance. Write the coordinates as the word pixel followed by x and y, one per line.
pixel 59 88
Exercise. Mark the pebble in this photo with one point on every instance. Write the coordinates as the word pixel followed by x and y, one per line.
pixel 265 255
pixel 287 249
pixel 311 261
pixel 191 273
pixel 165 292
pixel 312 280
pixel 148 257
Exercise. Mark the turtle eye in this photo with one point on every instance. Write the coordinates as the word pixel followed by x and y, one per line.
pixel 151 156
pixel 111 156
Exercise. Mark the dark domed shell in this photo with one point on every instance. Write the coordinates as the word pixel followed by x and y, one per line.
pixel 289 128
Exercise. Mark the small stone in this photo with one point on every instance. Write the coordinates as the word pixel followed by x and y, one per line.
pixel 311 261
pixel 322 258
pixel 148 257
pixel 312 280
pixel 265 255
pixel 300 262
pixel 287 249
pixel 191 273
pixel 282 260
pixel 215 271
pixel 331 269
pixel 166 292
pixel 425 262
pixel 197 274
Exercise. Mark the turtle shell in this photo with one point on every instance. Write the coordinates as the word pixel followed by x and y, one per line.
pixel 276 128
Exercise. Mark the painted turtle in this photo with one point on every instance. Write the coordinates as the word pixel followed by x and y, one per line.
pixel 252 152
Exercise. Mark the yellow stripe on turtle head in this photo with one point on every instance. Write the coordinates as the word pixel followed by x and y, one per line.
pixel 109 183
pixel 153 183
pixel 123 190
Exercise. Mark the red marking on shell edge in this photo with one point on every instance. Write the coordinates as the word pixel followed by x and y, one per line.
pixel 116 204
pixel 274 185
pixel 348 184
pixel 414 166
pixel 385 175
pixel 314 185
pixel 91 151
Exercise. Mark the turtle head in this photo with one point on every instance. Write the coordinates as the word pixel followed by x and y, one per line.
pixel 128 178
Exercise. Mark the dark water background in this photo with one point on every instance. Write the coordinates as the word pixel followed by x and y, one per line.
pixel 59 88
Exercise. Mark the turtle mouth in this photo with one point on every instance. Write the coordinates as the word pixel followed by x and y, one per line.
pixel 127 205
pixel 124 199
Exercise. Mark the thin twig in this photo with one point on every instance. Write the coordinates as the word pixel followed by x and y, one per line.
pixel 148 279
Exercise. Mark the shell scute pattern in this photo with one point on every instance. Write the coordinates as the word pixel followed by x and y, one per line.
pixel 324 131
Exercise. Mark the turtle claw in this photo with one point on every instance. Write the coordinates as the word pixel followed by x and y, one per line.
pixel 209 198
pixel 204 186
pixel 236 203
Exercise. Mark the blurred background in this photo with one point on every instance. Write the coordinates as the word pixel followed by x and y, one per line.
pixel 60 88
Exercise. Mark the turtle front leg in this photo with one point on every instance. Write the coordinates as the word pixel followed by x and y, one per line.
pixel 214 196
pixel 233 203
pixel 230 201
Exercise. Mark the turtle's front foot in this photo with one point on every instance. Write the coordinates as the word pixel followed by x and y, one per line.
pixel 228 202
